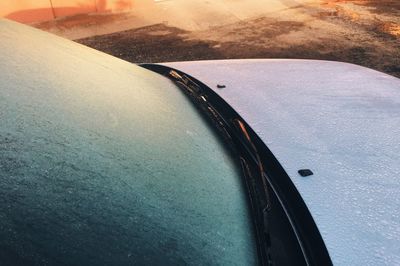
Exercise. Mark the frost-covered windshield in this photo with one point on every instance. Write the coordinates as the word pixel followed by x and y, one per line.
pixel 105 163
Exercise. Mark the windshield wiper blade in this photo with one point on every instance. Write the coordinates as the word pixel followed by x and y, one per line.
pixel 191 86
pixel 236 132
pixel 256 157
pixel 246 142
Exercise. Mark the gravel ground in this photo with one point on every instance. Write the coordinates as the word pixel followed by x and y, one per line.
pixel 364 32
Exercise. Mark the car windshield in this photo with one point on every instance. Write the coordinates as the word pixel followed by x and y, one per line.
pixel 109 164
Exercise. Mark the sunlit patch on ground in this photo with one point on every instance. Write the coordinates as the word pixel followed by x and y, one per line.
pixel 391 28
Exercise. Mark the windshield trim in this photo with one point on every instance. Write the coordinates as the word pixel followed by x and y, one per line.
pixel 252 151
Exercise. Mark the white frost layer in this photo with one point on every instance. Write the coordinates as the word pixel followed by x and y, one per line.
pixel 340 120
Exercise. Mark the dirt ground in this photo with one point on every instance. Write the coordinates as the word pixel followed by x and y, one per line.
pixel 364 32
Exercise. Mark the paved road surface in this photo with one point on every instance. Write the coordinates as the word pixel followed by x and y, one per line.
pixel 365 32
pixel 193 15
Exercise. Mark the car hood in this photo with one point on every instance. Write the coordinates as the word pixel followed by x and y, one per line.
pixel 340 120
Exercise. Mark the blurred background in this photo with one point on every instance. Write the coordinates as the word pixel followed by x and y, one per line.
pixel 364 32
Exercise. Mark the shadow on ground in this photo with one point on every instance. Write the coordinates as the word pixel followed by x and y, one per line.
pixel 156 43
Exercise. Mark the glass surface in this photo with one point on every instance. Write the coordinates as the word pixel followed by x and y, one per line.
pixel 111 167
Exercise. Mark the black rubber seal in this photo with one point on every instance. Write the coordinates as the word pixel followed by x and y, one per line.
pixel 312 243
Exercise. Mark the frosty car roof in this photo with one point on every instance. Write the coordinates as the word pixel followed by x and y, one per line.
pixel 341 121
